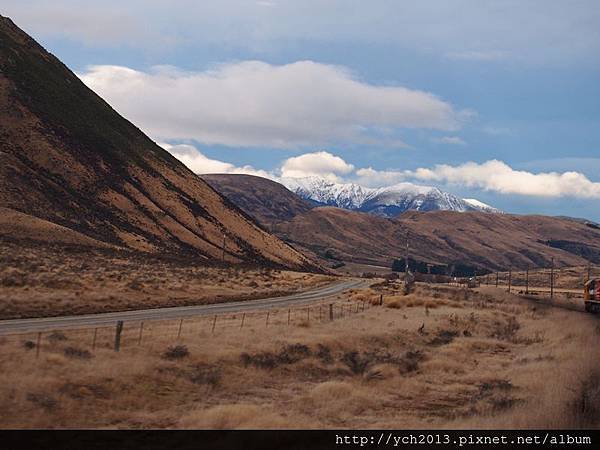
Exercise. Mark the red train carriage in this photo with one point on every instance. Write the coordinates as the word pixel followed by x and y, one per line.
pixel 591 294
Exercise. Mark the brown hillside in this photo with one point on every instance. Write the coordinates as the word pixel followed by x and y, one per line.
pixel 266 201
pixel 68 158
pixel 492 241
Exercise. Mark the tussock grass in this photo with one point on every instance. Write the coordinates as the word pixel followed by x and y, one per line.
pixel 485 361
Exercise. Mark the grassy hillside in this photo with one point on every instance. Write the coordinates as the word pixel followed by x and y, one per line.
pixel 68 158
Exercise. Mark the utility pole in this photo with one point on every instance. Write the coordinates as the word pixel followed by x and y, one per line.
pixel 406 258
pixel 552 279
pixel 527 281
pixel 223 247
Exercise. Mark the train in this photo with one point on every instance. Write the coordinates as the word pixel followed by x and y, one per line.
pixel 591 295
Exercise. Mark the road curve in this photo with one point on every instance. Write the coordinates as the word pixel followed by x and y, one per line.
pixel 103 319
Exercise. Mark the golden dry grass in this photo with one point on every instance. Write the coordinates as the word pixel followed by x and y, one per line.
pixel 475 360
pixel 39 281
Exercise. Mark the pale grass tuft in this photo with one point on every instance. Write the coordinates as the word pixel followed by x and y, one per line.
pixel 232 416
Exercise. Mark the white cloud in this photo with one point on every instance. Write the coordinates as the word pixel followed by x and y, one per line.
pixel 378 178
pixel 252 103
pixel 499 177
pixel 322 164
pixel 201 164
pixel 450 140
pixel 493 175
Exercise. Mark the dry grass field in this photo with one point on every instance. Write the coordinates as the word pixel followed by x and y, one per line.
pixel 439 357
pixel 565 278
pixel 41 280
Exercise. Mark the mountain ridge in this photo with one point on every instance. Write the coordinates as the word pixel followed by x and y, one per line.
pixel 69 158
pixel 388 201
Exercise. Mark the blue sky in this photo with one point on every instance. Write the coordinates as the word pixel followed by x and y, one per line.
pixel 497 100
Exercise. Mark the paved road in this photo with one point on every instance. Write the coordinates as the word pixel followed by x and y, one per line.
pixel 103 319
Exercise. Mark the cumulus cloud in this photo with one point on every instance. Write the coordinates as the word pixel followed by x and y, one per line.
pixel 493 175
pixel 201 164
pixel 499 177
pixel 322 164
pixel 252 103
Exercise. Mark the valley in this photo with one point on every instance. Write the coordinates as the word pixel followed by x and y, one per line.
pixel 441 357
pixel 138 292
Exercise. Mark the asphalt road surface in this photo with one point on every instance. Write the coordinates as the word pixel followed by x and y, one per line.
pixel 103 319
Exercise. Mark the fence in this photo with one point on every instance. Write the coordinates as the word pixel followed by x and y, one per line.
pixel 122 335
pixel 550 282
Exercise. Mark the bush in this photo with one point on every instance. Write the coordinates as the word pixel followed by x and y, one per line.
pixel 74 352
pixel 289 354
pixel 176 352
pixel 207 375
pixel 57 336
pixel 357 364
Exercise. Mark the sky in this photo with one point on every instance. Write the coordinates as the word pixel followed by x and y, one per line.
pixel 495 100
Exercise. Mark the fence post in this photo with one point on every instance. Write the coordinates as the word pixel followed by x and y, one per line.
pixel 509 279
pixel 552 279
pixel 308 314
pixel 331 312
pixel 94 340
pixel 37 346
pixel 243 317
pixel 179 330
pixel 267 321
pixel 141 331
pixel 118 331
pixel 214 323
pixel 380 299
pixel 320 320
pixel 289 315
pixel 527 281
pixel 497 278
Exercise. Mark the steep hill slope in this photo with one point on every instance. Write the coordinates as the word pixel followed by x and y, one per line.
pixel 266 201
pixel 492 241
pixel 68 158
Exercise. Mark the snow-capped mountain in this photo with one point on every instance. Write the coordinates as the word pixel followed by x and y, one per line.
pixel 481 206
pixel 387 201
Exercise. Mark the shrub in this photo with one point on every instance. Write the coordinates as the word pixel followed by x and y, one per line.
pixel 324 354
pixel 357 364
pixel 74 352
pixel 289 354
pixel 207 375
pixel 443 337
pixel 57 336
pixel 176 352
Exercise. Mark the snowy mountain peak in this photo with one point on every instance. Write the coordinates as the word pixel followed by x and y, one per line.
pixel 481 206
pixel 386 201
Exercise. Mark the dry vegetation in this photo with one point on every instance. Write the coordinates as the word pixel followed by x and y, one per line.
pixel 39 280
pixel 439 357
pixel 565 278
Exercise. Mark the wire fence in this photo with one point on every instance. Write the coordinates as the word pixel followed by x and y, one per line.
pixel 122 335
